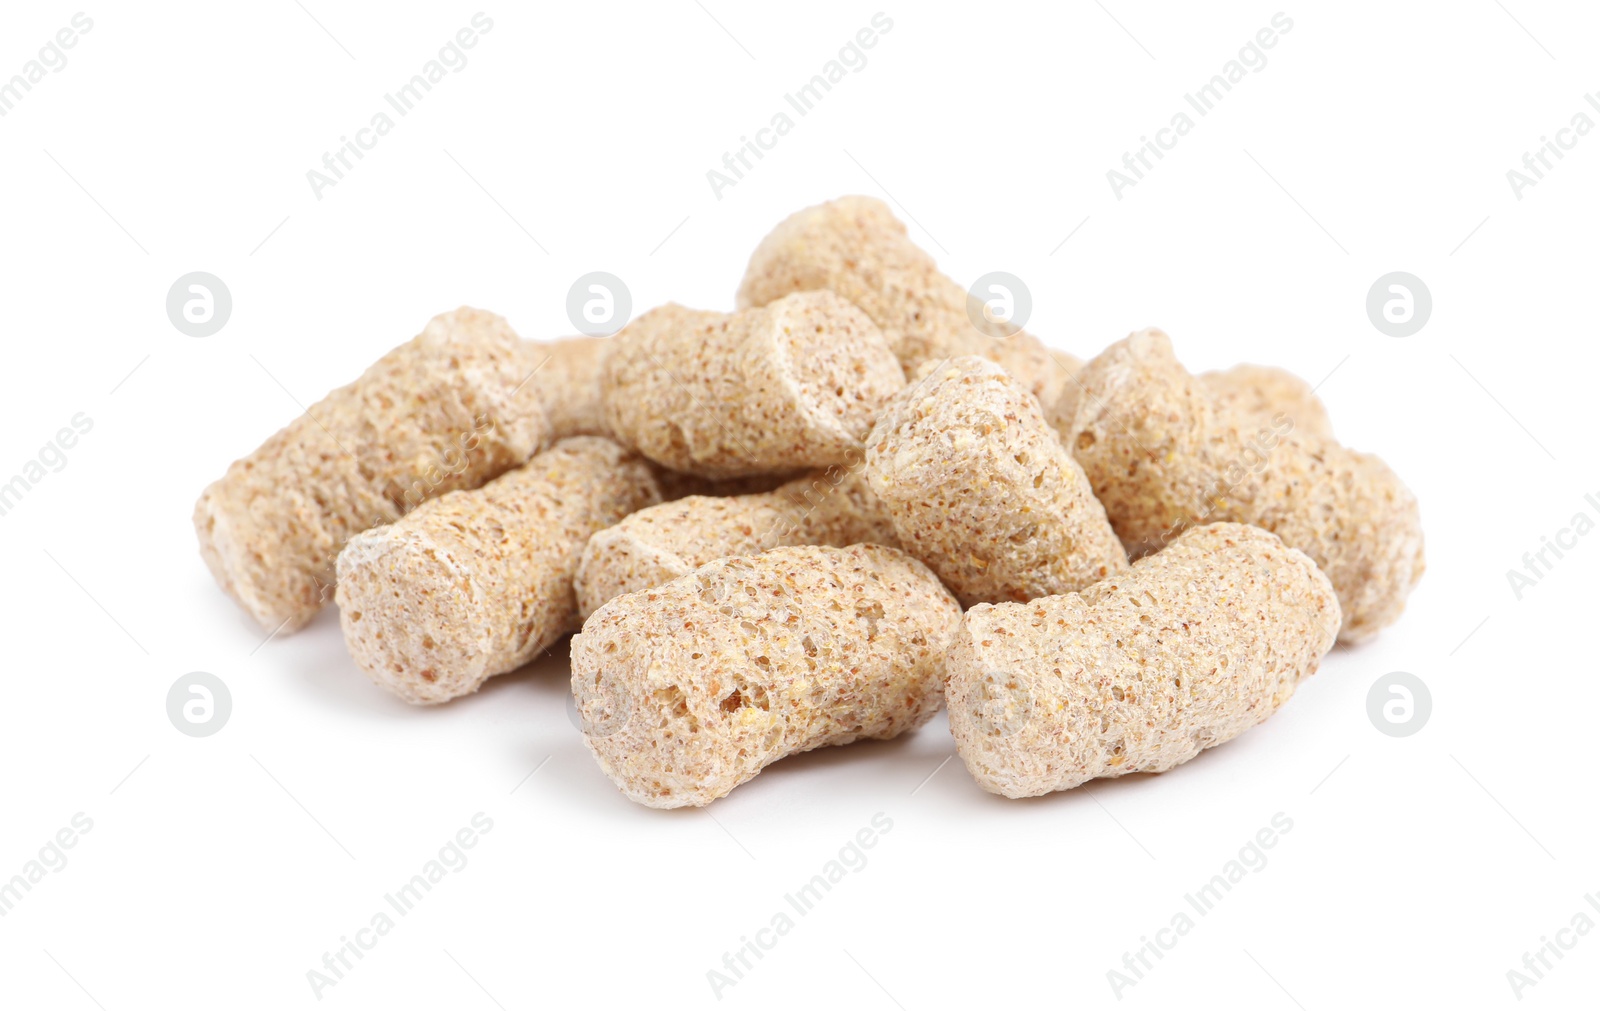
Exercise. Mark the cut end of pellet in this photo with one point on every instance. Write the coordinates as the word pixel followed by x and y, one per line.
pixel 403 606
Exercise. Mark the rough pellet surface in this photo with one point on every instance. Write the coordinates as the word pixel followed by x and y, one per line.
pixel 1165 453
pixel 477 583
pixel 452 408
pixel 834 507
pixel 857 248
pixel 689 689
pixel 790 386
pixel 1143 671
pixel 978 486
pixel 1270 394
pixel 568 381
pixel 1273 396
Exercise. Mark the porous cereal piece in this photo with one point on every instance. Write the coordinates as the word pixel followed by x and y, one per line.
pixel 1165 453
pixel 856 248
pixel 977 486
pixel 689 689
pixel 568 380
pixel 1141 672
pixel 1269 392
pixel 657 545
pixel 451 408
pixel 1276 396
pixel 1042 370
pixel 793 385
pixel 477 583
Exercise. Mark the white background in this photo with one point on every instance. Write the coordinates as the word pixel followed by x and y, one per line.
pixel 219 870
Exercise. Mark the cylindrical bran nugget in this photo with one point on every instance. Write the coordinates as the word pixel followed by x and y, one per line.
pixel 477 583
pixel 1165 453
pixel 1139 673
pixel 689 689
pixel 657 545
pixel 978 486
pixel 567 375
pixel 856 248
pixel 1043 371
pixel 795 384
pixel 451 408
pixel 1269 392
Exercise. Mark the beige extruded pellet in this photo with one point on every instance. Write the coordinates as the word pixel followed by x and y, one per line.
pixel 856 248
pixel 793 385
pixel 978 486
pixel 452 408
pixel 477 583
pixel 1268 392
pixel 567 377
pixel 657 545
pixel 689 689
pixel 1164 453
pixel 1139 673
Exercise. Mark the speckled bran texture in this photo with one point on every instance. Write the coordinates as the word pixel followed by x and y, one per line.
pixel 689 689
pixel 783 388
pixel 477 583
pixel 1260 390
pixel 1267 392
pixel 449 409
pixel 977 486
pixel 1164 454
pixel 657 545
pixel 568 381
pixel 857 248
pixel 1139 673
